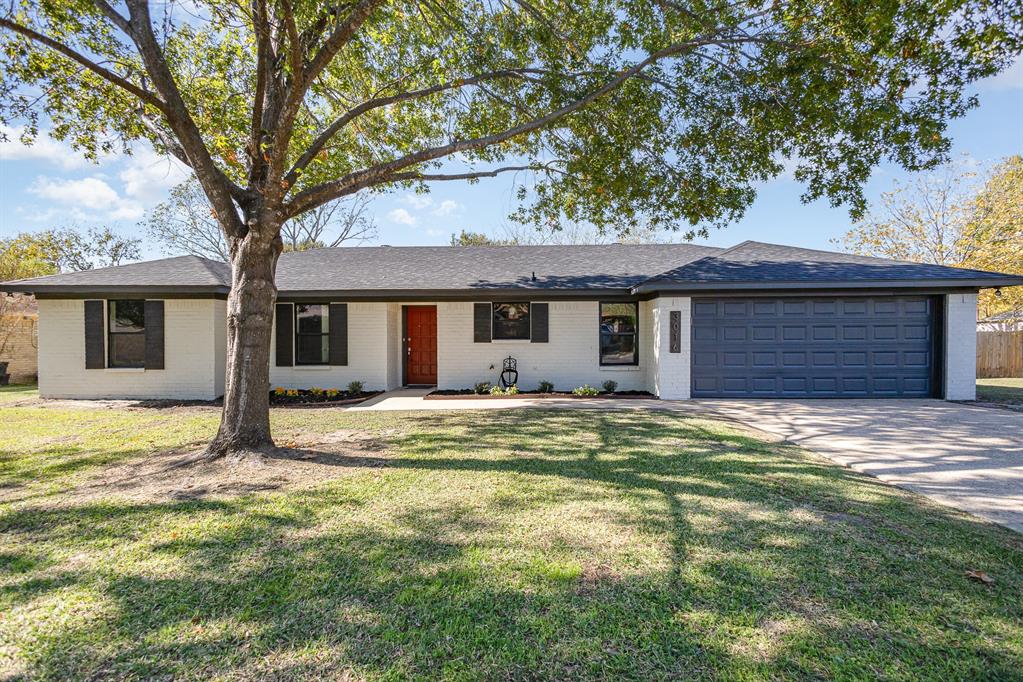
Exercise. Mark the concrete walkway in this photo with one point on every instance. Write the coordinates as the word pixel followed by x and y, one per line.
pixel 412 399
pixel 962 456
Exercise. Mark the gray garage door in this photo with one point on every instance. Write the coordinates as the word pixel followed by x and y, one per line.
pixel 814 347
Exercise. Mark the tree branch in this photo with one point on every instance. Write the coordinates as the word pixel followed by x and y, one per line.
pixel 261 30
pixel 220 190
pixel 334 128
pixel 106 74
pixel 339 37
pixel 473 175
pixel 380 173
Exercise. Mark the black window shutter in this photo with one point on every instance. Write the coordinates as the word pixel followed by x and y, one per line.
pixel 285 334
pixel 675 332
pixel 94 341
pixel 338 320
pixel 539 322
pixel 154 334
pixel 481 313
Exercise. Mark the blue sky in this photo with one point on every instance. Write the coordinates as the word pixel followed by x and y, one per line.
pixel 47 185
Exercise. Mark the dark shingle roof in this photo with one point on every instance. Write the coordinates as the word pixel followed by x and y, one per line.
pixel 617 266
pixel 426 270
pixel 184 273
pixel 758 264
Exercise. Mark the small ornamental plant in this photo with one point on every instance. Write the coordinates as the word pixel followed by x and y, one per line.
pixel 332 392
pixel 279 391
pixel 512 390
pixel 545 386
pixel 355 387
pixel 291 393
pixel 482 388
pixel 496 390
pixel 610 386
pixel 316 391
pixel 586 390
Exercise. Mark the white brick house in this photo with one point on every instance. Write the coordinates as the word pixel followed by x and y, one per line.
pixel 678 321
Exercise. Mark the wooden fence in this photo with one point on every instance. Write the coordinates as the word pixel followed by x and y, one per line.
pixel 999 354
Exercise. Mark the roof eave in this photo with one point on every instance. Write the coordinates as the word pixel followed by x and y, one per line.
pixel 87 291
pixel 956 283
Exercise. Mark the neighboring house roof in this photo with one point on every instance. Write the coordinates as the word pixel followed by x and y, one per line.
pixel 1007 316
pixel 465 271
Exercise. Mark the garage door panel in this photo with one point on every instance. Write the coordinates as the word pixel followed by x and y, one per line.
pixel 813 347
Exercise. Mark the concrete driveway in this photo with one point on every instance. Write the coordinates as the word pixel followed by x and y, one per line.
pixel 960 455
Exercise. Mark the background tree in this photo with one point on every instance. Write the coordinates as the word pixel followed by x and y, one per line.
pixel 996 226
pixel 623 114
pixel 64 250
pixel 48 252
pixel 953 216
pixel 466 238
pixel 185 223
pixel 520 234
pixel 17 262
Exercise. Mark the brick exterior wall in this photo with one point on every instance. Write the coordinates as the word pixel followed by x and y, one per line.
pixel 190 343
pixel 367 354
pixel 569 359
pixel 20 348
pixel 961 347
pixel 671 376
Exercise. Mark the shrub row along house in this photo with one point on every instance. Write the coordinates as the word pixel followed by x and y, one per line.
pixel 680 320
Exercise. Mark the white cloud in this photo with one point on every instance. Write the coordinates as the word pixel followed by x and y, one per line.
pixel 91 194
pixel 44 148
pixel 401 216
pixel 447 207
pixel 1010 79
pixel 148 177
pixel 418 201
pixel 421 203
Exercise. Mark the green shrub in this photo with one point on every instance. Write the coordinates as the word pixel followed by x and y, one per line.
pixel 512 390
pixel 545 386
pixel 610 386
pixel 482 388
pixel 496 390
pixel 585 389
pixel 355 387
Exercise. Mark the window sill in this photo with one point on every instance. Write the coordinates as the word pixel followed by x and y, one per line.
pixel 620 368
pixel 310 368
pixel 510 341
pixel 126 370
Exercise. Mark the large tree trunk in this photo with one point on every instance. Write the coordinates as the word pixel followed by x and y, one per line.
pixel 245 422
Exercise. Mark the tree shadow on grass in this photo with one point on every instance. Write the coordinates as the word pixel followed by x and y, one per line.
pixel 463 558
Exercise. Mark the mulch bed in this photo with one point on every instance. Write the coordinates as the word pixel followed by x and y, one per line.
pixel 468 394
pixel 307 399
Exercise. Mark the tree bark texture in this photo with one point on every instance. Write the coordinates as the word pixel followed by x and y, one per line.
pixel 245 422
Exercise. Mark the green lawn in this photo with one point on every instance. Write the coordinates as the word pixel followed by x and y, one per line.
pixel 17 392
pixel 1009 391
pixel 498 545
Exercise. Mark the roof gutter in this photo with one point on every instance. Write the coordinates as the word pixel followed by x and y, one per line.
pixel 89 291
pixel 963 283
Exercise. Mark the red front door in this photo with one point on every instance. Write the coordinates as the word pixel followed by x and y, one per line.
pixel 421 344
